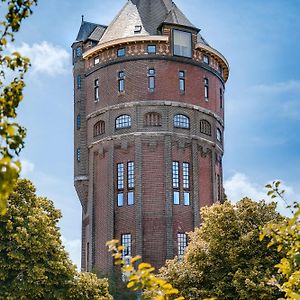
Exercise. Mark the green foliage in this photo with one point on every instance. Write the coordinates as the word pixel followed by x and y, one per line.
pixel 224 258
pixel 285 235
pixel 33 261
pixel 142 279
pixel 11 133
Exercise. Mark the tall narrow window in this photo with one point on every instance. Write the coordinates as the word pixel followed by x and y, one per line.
pixel 219 135
pixel 120 184
pixel 205 127
pixel 123 121
pixel 130 183
pixel 182 82
pixel 175 182
pixel 87 256
pixel 151 79
pixel 126 243
pixel 96 60
pixel 219 187
pixel 78 51
pixel 78 82
pixel 181 121
pixel 182 244
pixel 121 81
pixel 96 89
pixel 221 98
pixel 78 121
pixel 186 183
pixel 78 154
pixel 182 43
pixel 206 88
pixel 99 128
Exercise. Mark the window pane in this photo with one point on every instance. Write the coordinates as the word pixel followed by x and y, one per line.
pixel 130 175
pixel 186 198
pixel 96 60
pixel 130 199
pixel 175 174
pixel 126 242
pixel 151 82
pixel 78 121
pixel 78 81
pixel 181 85
pixel 181 121
pixel 151 49
pixel 120 170
pixel 121 52
pixel 182 43
pixel 182 244
pixel 78 154
pixel 176 199
pixel 206 59
pixel 186 175
pixel 123 121
pixel 78 52
pixel 121 85
pixel 120 199
pixel 219 135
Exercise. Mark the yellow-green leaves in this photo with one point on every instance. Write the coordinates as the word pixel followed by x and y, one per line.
pixel 285 235
pixel 142 279
pixel 11 134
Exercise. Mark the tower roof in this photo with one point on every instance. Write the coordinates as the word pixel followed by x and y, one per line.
pixel 144 17
pixel 91 31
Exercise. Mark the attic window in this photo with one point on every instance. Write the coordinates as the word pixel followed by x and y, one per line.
pixel 182 43
pixel 137 28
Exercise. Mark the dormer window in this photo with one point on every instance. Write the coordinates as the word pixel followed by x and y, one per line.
pixel 206 59
pixel 182 43
pixel 137 28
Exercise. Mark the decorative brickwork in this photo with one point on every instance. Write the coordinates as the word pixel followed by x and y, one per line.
pixel 124 122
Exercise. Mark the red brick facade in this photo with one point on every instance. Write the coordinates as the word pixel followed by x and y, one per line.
pixel 153 220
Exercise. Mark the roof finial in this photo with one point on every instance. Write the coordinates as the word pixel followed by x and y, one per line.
pixel 82 18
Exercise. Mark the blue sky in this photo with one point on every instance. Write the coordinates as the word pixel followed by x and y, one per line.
pixel 260 39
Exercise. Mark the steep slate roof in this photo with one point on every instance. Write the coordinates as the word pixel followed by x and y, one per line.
pixel 88 28
pixel 150 14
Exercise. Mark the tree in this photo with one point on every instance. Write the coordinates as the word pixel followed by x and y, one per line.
pixel 285 235
pixel 33 261
pixel 225 258
pixel 11 133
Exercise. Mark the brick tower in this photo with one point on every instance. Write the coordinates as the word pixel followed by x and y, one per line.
pixel 149 110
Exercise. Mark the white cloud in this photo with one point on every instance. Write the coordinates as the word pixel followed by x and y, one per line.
pixel 239 186
pixel 45 58
pixel 27 167
pixel 73 247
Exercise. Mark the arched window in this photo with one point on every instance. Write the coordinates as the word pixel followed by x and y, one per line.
pixel 123 121
pixel 99 128
pixel 78 121
pixel 181 121
pixel 205 127
pixel 152 119
pixel 219 135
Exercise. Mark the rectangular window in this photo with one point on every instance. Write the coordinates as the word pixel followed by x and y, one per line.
pixel 206 59
pixel 182 244
pixel 181 82
pixel 186 175
pixel 186 198
pixel 130 175
pixel 151 80
pixel 96 89
pixel 78 82
pixel 78 154
pixel 137 29
pixel 176 197
pixel 120 176
pixel 78 52
pixel 126 243
pixel 221 98
pixel 206 88
pixel 96 60
pixel 175 174
pixel 182 43
pixel 121 52
pixel 87 256
pixel 130 198
pixel 151 49
pixel 120 199
pixel 219 187
pixel 121 81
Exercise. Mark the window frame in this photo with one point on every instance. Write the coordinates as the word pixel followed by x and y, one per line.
pixel 182 243
pixel 96 90
pixel 205 127
pixel 99 128
pixel 182 78
pixel 78 154
pixel 191 43
pixel 151 52
pixel 221 98
pixel 126 241
pixel 206 89
pixel 179 123
pixel 78 122
pixel 78 82
pixel 121 52
pixel 219 136
pixel 121 81
pixel 123 121
pixel 151 79
pixel 206 59
pixel 152 119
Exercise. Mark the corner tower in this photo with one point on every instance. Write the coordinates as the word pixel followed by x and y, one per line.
pixel 149 122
